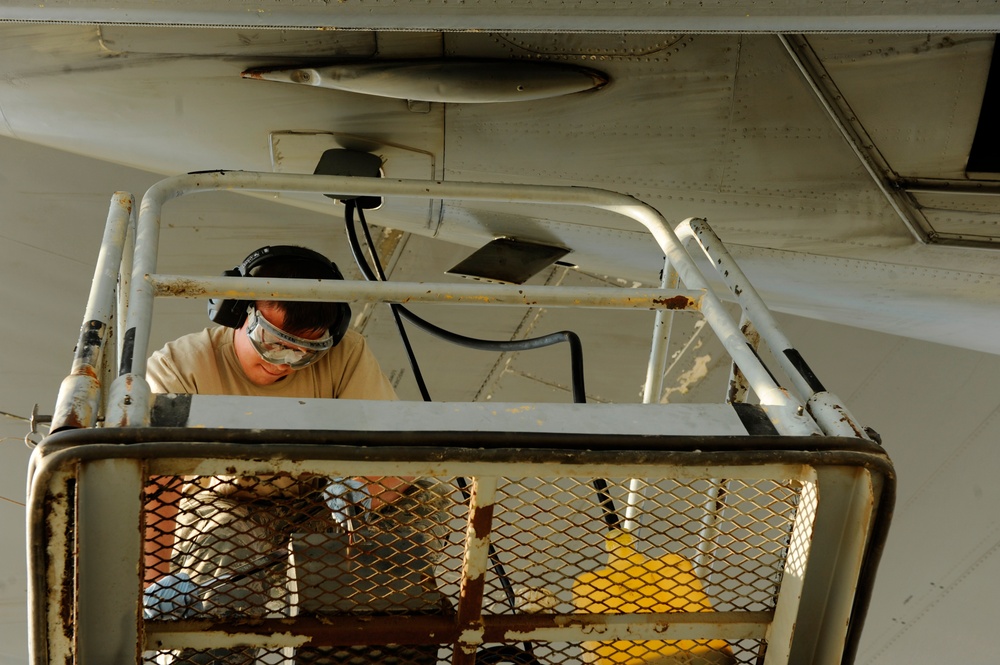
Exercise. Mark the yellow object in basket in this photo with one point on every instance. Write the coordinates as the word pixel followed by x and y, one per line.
pixel 633 583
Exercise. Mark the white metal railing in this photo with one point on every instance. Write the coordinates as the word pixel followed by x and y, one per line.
pixel 128 402
pixel 76 486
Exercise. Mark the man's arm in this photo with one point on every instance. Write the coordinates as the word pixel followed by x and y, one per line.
pixel 360 376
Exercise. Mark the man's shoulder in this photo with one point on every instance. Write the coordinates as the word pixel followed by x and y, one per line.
pixel 352 339
pixel 190 364
pixel 192 352
pixel 349 350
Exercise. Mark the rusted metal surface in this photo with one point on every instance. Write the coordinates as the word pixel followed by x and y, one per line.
pixel 181 287
pixel 834 417
pixel 474 568
pixel 128 402
pixel 738 387
pixel 675 302
pixel 77 404
pixel 468 630
pixel 345 630
pixel 52 581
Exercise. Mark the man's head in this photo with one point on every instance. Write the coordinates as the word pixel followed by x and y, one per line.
pixel 302 317
pixel 268 352
pixel 275 338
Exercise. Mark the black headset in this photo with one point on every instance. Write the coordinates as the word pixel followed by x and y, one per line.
pixel 233 313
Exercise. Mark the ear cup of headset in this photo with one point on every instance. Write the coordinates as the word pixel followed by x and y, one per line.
pixel 228 312
pixel 232 313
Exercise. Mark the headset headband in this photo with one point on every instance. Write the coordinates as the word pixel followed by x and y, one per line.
pixel 233 313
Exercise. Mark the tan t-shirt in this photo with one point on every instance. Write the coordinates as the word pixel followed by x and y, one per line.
pixel 205 363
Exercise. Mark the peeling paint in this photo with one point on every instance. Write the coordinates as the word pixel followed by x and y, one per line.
pixel 471 636
pixel 689 378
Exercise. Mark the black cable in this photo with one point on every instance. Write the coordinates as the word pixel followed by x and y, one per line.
pixel 606 502
pixel 366 270
pixel 417 375
pixel 495 346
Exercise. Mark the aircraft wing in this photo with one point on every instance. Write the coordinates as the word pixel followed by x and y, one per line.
pixel 837 166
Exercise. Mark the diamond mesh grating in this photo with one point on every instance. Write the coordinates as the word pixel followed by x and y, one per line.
pixel 278 547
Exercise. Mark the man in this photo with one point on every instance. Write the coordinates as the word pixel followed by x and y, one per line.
pixel 280 349
pixel 230 543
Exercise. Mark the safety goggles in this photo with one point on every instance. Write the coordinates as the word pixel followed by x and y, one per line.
pixel 281 348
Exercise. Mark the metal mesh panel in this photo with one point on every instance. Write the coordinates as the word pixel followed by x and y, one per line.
pixel 278 547
pixel 275 546
pixel 700 545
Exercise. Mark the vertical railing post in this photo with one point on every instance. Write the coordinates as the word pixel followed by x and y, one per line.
pixel 79 394
pixel 832 417
pixel 474 568
pixel 658 354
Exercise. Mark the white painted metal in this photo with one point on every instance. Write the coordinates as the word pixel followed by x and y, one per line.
pixel 826 408
pixel 846 122
pixel 425 292
pixel 773 176
pixel 689 16
pixel 784 630
pixel 661 342
pixel 105 585
pixel 461 82
pixel 212 411
pixel 77 404
pixel 653 388
pixel 836 550
pixel 858 509
pixel 108 546
pixel 785 412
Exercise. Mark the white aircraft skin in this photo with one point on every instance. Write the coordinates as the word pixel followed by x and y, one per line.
pixel 718 126
pixel 705 114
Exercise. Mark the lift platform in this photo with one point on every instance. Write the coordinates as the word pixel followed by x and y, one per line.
pixel 611 534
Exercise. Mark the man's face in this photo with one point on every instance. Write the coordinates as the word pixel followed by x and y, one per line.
pixel 258 370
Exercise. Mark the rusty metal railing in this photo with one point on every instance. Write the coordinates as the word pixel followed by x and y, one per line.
pixel 792 548
pixel 761 525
